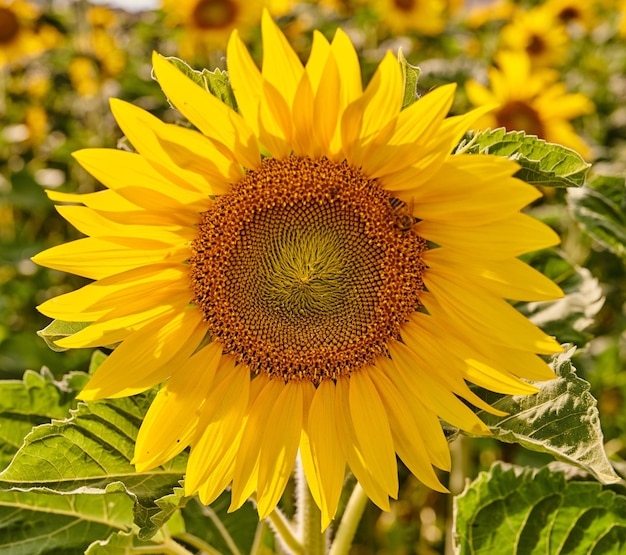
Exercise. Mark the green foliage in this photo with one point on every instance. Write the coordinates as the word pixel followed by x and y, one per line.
pixel 57 329
pixel 562 420
pixel 522 511
pixel 542 164
pixel 216 81
pixel 35 522
pixel 600 209
pixel 34 400
pixel 410 77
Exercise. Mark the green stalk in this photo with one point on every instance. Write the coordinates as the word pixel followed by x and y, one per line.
pixel 349 522
pixel 308 515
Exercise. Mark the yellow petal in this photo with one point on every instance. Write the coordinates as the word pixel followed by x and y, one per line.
pixel 489 316
pixel 245 475
pixel 95 299
pixel 95 258
pixel 512 237
pixel 279 447
pixel 245 79
pixel 173 416
pixel 101 200
pixel 408 441
pixel 209 114
pixel 372 430
pixel 430 392
pixel 328 460
pixel 118 169
pixel 281 66
pixel 221 420
pixel 352 450
pixel 147 356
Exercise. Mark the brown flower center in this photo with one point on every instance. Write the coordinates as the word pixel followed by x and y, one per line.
pixel 518 115
pixel 9 25
pixel 306 268
pixel 536 46
pixel 405 5
pixel 214 14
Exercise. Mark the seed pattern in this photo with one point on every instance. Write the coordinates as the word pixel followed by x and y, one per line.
pixel 301 271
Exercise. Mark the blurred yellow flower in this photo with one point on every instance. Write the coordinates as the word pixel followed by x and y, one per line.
pixel 538 33
pixel 207 24
pixel 570 12
pixel 36 120
pixel 479 14
pixel 17 33
pixel 83 73
pixel 427 17
pixel 332 296
pixel 531 101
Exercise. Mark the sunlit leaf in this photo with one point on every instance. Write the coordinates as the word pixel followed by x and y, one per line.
pixel 542 163
pixel 562 420
pixel 600 209
pixel 58 329
pixel 515 511
pixel 36 523
pixel 90 452
pixel 410 76
pixel 34 400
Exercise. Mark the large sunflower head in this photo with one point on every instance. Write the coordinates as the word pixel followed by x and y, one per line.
pixel 530 100
pixel 207 24
pixel 316 272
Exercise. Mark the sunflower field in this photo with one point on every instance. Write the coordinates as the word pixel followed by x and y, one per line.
pixel 312 277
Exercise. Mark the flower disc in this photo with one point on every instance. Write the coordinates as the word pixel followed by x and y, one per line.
pixel 303 270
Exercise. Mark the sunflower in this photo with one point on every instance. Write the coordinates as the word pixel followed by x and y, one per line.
pixel 539 33
pixel 316 272
pixel 531 101
pixel 17 35
pixel 207 24
pixel 424 16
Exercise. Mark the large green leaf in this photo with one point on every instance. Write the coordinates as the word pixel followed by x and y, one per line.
pixel 521 511
pixel 34 400
pixel 562 420
pixel 90 451
pixel 36 523
pixel 542 163
pixel 600 209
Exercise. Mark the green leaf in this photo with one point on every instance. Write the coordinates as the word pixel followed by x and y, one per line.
pixel 58 329
pixel 216 81
pixel 562 420
pixel 567 318
pixel 34 400
pixel 90 452
pixel 542 164
pixel 124 543
pixel 600 209
pixel 521 511
pixel 37 523
pixel 410 76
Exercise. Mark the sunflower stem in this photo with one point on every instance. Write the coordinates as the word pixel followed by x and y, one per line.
pixel 308 515
pixel 349 522
pixel 283 530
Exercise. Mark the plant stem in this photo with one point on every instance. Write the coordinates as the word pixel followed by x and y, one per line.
pixel 309 516
pixel 282 528
pixel 349 522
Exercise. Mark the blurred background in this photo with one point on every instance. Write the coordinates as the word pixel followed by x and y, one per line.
pixel 557 69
